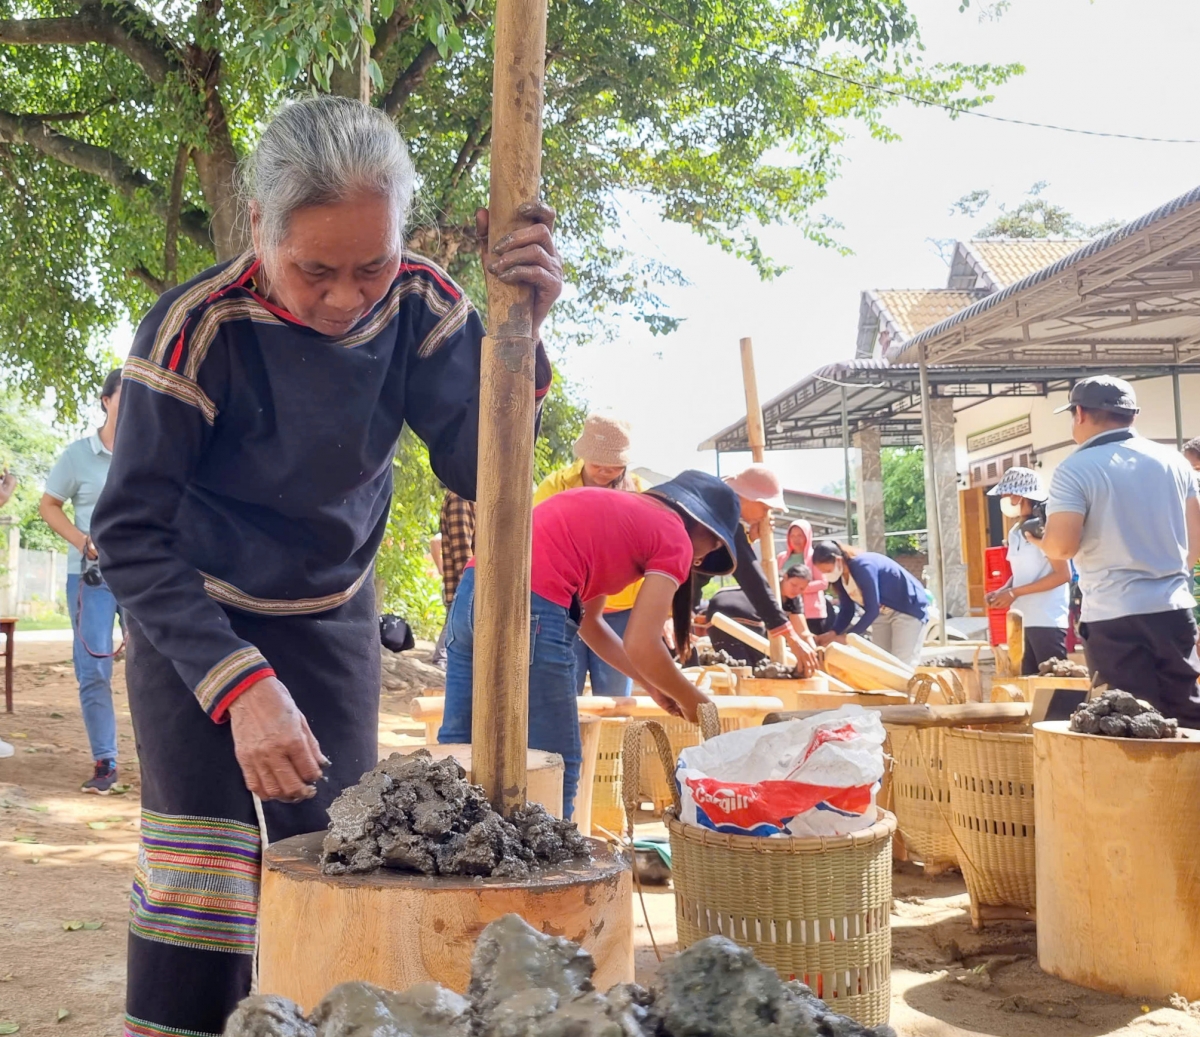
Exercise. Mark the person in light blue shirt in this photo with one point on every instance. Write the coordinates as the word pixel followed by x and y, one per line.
pixel 1040 588
pixel 78 476
pixel 1126 510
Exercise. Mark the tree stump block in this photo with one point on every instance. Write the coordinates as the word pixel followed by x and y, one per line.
pixel 395 929
pixel 1118 885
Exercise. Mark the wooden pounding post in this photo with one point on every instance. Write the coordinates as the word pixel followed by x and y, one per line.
pixel 504 495
pixel 756 434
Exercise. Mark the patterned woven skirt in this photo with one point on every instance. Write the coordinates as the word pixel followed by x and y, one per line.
pixel 195 890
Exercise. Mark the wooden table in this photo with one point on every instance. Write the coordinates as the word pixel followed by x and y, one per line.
pixel 9 628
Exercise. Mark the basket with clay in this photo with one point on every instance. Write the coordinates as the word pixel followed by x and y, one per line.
pixel 815 908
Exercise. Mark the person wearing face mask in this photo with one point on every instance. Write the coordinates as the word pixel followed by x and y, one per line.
pixel 589 543
pixel 889 601
pixel 759 493
pixel 601 460
pixel 1040 587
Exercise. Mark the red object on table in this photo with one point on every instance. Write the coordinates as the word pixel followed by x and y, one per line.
pixel 9 628
pixel 997 572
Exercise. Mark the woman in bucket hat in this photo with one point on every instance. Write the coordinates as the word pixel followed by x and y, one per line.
pixel 589 543
pixel 601 459
pixel 1040 587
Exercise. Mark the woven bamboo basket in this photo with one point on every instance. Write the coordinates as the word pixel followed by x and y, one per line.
pixel 991 790
pixel 659 788
pixel 921 795
pixel 608 812
pixel 814 909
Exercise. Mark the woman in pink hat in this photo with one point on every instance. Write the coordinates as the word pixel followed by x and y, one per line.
pixel 759 493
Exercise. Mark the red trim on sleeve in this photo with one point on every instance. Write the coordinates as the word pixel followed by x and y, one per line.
pixel 421 268
pixel 220 714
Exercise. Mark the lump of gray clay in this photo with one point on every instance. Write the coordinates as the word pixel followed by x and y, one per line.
pixel 717 989
pixel 1119 715
pixel 268 1016
pixel 364 1010
pixel 414 813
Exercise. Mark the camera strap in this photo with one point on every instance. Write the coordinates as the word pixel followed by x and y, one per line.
pixel 78 625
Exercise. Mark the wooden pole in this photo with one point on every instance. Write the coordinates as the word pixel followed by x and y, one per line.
pixel 499 731
pixel 757 436
pixel 364 57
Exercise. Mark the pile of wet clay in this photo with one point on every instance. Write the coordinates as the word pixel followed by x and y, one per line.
pixel 524 984
pixel 415 813
pixel 708 656
pixel 1061 668
pixel 1119 715
pixel 948 662
pixel 768 670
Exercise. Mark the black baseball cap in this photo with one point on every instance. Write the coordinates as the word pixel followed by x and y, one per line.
pixel 1102 392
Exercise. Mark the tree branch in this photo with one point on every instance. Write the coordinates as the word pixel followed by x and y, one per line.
pixel 390 31
pixel 120 25
pixel 171 243
pixel 99 162
pixel 140 273
pixel 411 78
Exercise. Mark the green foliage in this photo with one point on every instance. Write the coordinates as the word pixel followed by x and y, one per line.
pixel 903 496
pixel 1035 217
pixel 727 115
pixel 410 583
pixel 29 446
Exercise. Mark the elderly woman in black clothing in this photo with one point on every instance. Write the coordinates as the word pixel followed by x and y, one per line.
pixel 249 491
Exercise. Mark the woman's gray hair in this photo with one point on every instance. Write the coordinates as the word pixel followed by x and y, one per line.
pixel 322 150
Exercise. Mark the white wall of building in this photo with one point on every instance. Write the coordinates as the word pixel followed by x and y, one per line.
pixel 1050 434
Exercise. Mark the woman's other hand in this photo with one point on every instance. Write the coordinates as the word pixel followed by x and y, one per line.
pixel 828 638
pixel 7 484
pixel 279 757
pixel 526 256
pixel 664 701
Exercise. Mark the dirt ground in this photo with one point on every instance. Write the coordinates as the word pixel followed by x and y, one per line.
pixel 66 861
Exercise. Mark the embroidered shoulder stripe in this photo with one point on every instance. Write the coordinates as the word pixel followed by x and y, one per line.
pixel 415 264
pixel 196 883
pixel 228 594
pixel 161 380
pixel 135 1027
pixel 227 677
pixel 218 313
pixel 177 313
pixel 447 326
pixel 429 294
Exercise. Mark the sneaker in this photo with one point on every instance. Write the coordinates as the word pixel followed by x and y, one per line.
pixel 6 750
pixel 103 780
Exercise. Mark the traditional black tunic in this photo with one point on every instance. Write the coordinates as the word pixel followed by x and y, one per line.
pixel 248 494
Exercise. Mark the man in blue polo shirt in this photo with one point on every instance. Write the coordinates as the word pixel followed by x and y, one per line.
pixel 1126 510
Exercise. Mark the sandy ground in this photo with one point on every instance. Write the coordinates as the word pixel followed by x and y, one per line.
pixel 66 859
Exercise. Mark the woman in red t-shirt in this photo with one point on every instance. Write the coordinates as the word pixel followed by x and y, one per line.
pixel 587 544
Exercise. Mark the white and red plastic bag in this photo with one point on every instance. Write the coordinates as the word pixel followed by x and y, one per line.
pixel 816 776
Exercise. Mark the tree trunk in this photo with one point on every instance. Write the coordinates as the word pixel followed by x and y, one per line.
pixel 216 166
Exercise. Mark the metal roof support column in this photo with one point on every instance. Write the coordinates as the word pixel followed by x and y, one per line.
pixel 932 510
pixel 1178 402
pixel 846 468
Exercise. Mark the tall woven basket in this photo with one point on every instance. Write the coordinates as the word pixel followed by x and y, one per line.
pixel 920 779
pixel 921 795
pixel 816 910
pixel 991 775
pixel 608 812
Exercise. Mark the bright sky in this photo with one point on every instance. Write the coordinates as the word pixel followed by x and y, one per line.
pixel 1122 66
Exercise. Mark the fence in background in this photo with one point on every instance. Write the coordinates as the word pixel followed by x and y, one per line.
pixel 32 583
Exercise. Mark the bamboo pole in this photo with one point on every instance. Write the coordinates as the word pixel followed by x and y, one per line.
pixel 756 434
pixel 499 731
